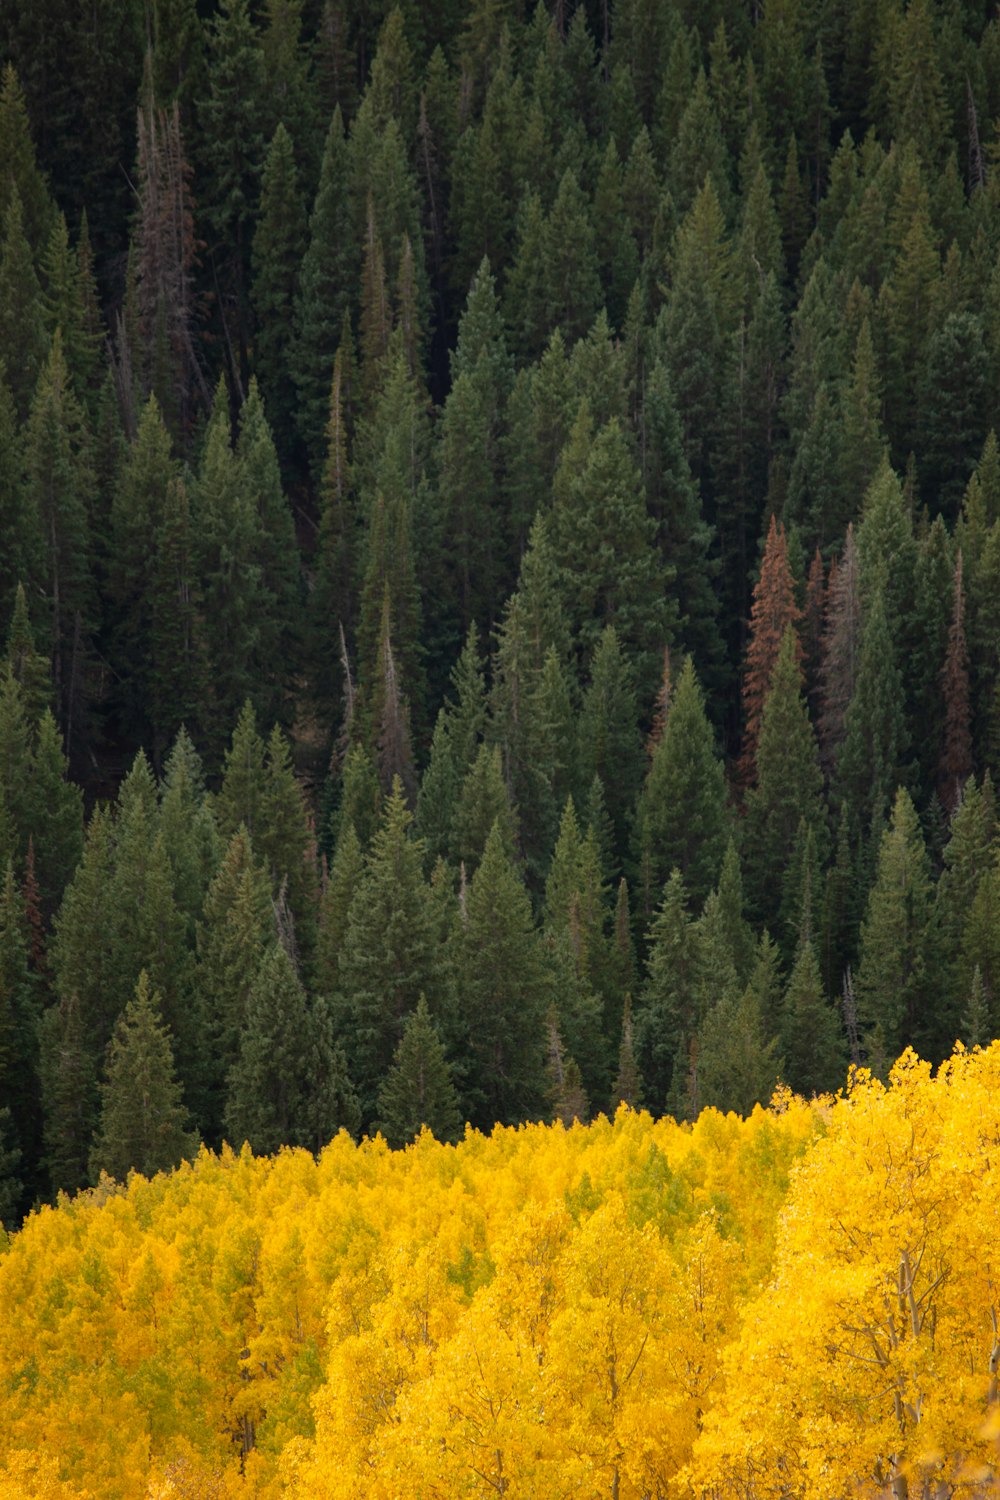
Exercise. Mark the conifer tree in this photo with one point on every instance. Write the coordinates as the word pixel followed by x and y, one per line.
pixel 841 651
pixel 418 1091
pixel 682 818
pixel 774 610
pixel 811 1035
pixel 956 751
pixel 142 1122
pixel 738 1064
pixel 390 954
pixel 289 1083
pixel 627 1085
pixel 232 150
pixel 324 289
pixel 893 987
pixel 871 754
pixel 666 1011
pixel 60 487
pixel 29 669
pixel 789 785
pixel 504 987
pixel 22 325
pixel 566 1093
pixel 277 252
pixel 69 1094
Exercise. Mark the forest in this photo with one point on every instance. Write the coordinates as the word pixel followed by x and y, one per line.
pixel 499 564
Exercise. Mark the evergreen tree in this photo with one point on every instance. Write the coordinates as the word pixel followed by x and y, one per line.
pixel 288 1085
pixel 789 786
pixel 895 1002
pixel 682 818
pixel 956 751
pixel 738 1065
pixel 504 986
pixel 666 1013
pixel 390 954
pixel 774 610
pixel 69 1094
pixel 871 755
pixel 418 1091
pixel 627 1085
pixel 811 1035
pixel 277 251
pixel 22 326
pixel 142 1123
pixel 325 281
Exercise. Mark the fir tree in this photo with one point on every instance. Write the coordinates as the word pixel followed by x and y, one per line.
pixel 277 243
pixel 811 1035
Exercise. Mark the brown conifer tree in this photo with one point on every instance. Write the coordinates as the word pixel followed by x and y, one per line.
pixel 773 610
pixel 956 753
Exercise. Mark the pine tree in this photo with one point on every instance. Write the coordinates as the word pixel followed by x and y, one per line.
pixel 418 1092
pixel 841 651
pixel 607 737
pixel 976 1027
pixel 738 1064
pixel 60 486
pixel 610 570
pixel 69 1094
pixel 28 667
pixel 230 116
pixel 142 1124
pixel 566 1093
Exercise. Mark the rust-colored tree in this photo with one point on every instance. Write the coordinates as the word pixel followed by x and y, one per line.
pixel 956 752
pixel 773 610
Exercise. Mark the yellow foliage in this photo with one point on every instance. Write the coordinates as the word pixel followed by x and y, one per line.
pixel 803 1303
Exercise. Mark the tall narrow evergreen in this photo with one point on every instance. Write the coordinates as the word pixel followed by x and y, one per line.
pixel 143 1122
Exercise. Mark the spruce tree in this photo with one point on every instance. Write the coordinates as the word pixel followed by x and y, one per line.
pixel 277 251
pixel 666 1009
pixel 143 1122
pixel 811 1035
pixel 682 818
pixel 504 989
pixel 289 1083
pixel 418 1092
pixel 788 789
pixel 390 954
pixel 895 995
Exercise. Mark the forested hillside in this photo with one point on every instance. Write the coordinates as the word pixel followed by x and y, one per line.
pixel 500 562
